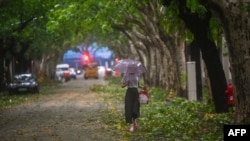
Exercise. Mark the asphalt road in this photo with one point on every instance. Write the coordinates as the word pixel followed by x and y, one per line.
pixel 70 113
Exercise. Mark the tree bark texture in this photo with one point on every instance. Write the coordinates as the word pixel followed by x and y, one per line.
pixel 166 66
pixel 159 49
pixel 200 29
pixel 236 25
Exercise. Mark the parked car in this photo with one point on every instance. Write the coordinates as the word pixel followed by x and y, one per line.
pixel 72 73
pixel 62 72
pixel 24 82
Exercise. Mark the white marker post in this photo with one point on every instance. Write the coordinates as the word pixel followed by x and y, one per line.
pixel 191 78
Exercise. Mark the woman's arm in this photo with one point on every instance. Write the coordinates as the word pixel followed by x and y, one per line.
pixel 123 85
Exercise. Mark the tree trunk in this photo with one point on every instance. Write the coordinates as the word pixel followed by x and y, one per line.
pixel 240 69
pixel 235 22
pixel 200 28
pixel 2 81
pixel 166 66
pixel 237 29
pixel 162 64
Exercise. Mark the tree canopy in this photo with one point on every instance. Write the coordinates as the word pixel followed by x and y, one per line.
pixel 147 30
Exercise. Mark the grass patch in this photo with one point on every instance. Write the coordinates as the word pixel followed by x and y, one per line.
pixel 179 120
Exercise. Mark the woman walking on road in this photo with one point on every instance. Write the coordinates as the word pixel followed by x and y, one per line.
pixel 132 70
pixel 132 105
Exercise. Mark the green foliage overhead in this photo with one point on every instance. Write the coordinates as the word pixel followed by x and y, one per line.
pixel 196 7
pixel 56 25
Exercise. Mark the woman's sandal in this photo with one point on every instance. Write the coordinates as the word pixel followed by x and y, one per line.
pixel 132 128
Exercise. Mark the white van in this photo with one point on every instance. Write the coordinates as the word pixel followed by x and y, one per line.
pixel 62 72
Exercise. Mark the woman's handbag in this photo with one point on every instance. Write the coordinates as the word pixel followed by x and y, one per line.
pixel 143 97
